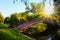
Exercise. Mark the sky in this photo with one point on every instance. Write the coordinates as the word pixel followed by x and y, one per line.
pixel 7 7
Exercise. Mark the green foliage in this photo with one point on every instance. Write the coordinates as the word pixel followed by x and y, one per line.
pixel 37 9
pixel 2 26
pixel 59 20
pixel 58 23
pixel 58 32
pixel 14 19
pixel 1 18
pixel 19 18
pixel 40 24
pixel 32 30
pixel 24 16
pixel 11 35
pixel 30 17
pixel 55 0
pixel 7 20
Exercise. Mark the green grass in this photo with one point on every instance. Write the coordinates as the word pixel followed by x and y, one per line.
pixel 6 34
pixel 2 25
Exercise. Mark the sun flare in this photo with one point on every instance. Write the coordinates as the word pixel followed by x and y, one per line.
pixel 49 9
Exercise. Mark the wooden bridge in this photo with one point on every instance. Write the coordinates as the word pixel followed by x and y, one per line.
pixel 49 32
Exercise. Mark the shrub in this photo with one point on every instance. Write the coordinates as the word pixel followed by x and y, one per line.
pixel 31 30
pixel 2 25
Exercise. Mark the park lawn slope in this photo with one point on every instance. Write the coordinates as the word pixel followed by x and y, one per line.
pixel 8 34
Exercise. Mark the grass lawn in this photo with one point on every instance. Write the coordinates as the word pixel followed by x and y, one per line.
pixel 6 34
pixel 2 25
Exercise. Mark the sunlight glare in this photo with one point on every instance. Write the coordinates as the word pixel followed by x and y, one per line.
pixel 48 9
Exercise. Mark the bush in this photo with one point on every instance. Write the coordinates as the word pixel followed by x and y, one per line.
pixel 11 35
pixel 31 30
pixel 2 25
pixel 59 20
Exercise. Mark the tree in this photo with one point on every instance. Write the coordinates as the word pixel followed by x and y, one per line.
pixel 26 2
pixel 24 16
pixel 14 20
pixel 1 18
pixel 7 20
pixel 37 9
pixel 55 0
pixel 57 7
pixel 18 18
pixel 2 26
